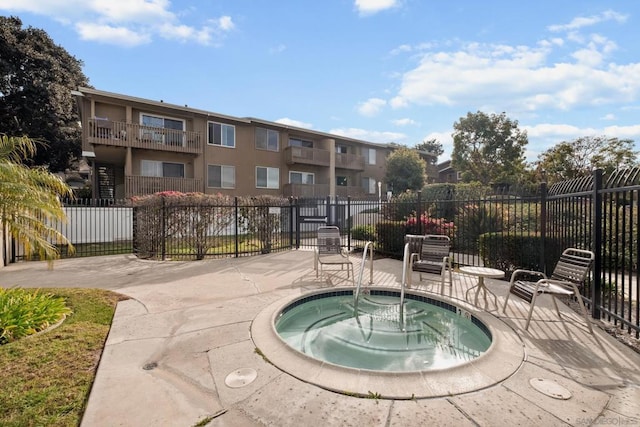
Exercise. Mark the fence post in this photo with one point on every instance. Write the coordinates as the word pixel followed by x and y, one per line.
pixel 298 222
pixel 163 224
pixel 330 215
pixel 419 212
pixel 291 222
pixel 237 214
pixel 349 223
pixel 543 226
pixel 596 294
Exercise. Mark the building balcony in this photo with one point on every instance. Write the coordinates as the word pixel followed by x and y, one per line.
pixel 121 134
pixel 320 190
pixel 349 161
pixel 305 190
pixel 349 191
pixel 136 185
pixel 307 156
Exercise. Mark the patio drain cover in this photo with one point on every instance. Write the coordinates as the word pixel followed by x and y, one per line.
pixel 550 388
pixel 240 377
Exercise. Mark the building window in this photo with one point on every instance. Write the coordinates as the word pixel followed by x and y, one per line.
pixel 173 136
pixel 295 142
pixel 341 181
pixel 301 178
pixel 162 169
pixel 221 134
pixel 369 185
pixel 267 177
pixel 221 176
pixel 371 156
pixel 267 139
pixel 341 149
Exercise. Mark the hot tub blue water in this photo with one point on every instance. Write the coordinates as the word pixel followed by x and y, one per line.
pixel 434 335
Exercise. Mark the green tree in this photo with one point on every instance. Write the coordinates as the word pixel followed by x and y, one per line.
pixel 577 158
pixel 431 146
pixel 405 170
pixel 36 80
pixel 488 148
pixel 30 199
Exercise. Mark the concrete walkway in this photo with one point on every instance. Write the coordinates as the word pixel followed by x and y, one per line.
pixel 187 327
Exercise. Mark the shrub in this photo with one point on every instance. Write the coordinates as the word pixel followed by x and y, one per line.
pixel 428 225
pixel 194 218
pixel 365 232
pixel 261 220
pixel 510 252
pixel 390 237
pixel 25 312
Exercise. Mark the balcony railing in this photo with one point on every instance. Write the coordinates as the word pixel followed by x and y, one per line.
pixel 349 191
pixel 308 156
pixel 136 185
pixel 121 134
pixel 305 190
pixel 349 161
pixel 320 190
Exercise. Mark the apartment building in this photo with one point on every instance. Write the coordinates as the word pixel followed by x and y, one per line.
pixel 139 146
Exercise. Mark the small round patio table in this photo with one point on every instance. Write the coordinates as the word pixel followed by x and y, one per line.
pixel 481 273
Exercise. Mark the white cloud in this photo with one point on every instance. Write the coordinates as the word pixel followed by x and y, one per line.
pixel 519 78
pixel 609 116
pixel 367 135
pixel 116 35
pixel 371 106
pixel 295 123
pixel 581 22
pixel 368 7
pixel 404 122
pixel 124 22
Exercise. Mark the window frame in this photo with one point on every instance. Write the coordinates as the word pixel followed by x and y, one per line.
pixel 222 134
pixel 222 181
pixel 267 140
pixel 161 163
pixel 371 185
pixel 303 174
pixel 371 153
pixel 304 143
pixel 160 137
pixel 272 170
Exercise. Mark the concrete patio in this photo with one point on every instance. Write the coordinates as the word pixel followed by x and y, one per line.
pixel 187 326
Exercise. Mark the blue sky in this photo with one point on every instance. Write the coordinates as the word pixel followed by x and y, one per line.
pixel 379 70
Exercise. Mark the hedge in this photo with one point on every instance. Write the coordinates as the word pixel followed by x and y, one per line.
pixel 510 252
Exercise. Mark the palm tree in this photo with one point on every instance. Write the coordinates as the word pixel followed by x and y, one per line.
pixel 29 200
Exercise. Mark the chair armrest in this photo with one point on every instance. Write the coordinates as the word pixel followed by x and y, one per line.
pixel 412 258
pixel 565 284
pixel 521 271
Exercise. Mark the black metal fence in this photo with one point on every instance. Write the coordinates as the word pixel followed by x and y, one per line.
pixel 519 228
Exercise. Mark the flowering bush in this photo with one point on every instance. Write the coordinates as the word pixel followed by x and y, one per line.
pixel 429 225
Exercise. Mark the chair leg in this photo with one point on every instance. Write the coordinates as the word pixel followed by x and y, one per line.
pixel 583 308
pixel 533 304
pixel 504 307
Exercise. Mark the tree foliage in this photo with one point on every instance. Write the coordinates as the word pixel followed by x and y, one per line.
pixel 36 80
pixel 577 158
pixel 30 200
pixel 488 148
pixel 431 146
pixel 405 170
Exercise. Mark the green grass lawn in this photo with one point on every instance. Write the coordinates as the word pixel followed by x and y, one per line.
pixel 46 378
